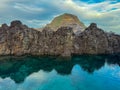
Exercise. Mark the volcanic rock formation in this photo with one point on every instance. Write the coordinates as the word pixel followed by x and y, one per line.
pixel 95 41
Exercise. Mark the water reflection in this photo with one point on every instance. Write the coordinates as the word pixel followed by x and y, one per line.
pixel 19 68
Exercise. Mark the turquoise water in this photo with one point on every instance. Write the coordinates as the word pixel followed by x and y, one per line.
pixel 86 72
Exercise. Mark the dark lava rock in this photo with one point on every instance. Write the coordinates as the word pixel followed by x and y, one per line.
pixel 16 23
pixel 4 26
pixel 92 26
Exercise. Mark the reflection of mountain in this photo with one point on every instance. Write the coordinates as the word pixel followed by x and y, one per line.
pixel 18 68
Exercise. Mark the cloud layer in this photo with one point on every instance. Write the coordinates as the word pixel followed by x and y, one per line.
pixel 37 13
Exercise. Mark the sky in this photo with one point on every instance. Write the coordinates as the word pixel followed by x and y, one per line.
pixel 38 13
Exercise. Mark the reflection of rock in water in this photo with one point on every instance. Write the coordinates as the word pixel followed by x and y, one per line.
pixel 18 68
pixel 90 63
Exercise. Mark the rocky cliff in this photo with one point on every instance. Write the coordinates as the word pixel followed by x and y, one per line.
pixel 95 41
pixel 18 39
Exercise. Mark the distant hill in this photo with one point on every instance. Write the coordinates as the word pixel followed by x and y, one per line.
pixel 66 20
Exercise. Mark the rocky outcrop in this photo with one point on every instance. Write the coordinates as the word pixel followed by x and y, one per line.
pixel 95 41
pixel 18 39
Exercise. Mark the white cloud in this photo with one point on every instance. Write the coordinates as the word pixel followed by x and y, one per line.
pixel 37 23
pixel 3 3
pixel 29 9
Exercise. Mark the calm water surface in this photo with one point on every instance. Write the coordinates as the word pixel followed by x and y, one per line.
pixel 86 72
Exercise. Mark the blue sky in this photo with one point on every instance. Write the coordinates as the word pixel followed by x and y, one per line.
pixel 37 13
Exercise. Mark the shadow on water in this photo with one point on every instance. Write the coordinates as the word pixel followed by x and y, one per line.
pixel 18 68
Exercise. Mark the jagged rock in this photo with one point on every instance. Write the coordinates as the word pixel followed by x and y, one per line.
pixel 4 26
pixel 18 39
pixel 95 41
pixel 16 23
pixel 93 26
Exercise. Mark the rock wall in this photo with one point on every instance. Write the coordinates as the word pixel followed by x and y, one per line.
pixel 18 39
pixel 95 41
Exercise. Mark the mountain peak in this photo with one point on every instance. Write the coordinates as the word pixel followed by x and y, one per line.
pixel 67 20
pixel 68 14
